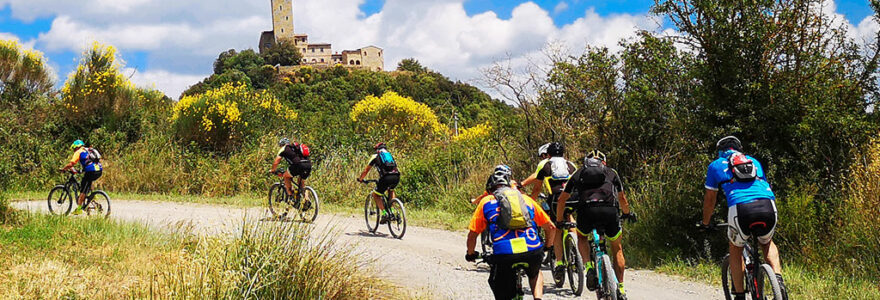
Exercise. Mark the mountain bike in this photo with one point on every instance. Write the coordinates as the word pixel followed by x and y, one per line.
pixel 760 279
pixel 571 257
pixel 607 289
pixel 518 268
pixel 304 199
pixel 63 196
pixel 394 209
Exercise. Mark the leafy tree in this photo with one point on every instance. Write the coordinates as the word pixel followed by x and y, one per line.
pixel 412 65
pixel 23 73
pixel 283 53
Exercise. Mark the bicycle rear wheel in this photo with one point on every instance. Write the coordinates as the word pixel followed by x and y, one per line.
pixel 98 204
pixel 308 206
pixel 60 201
pixel 609 282
pixel 397 221
pixel 574 266
pixel 277 205
pixel 768 286
pixel 726 278
pixel 371 214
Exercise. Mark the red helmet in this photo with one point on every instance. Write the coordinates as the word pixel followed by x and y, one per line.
pixel 378 146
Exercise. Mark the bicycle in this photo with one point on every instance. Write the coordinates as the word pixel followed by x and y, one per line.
pixel 395 210
pixel 280 203
pixel 571 257
pixel 758 275
pixel 607 289
pixel 62 197
pixel 518 268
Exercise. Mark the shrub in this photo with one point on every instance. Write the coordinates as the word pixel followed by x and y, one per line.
pixel 23 73
pixel 397 119
pixel 222 118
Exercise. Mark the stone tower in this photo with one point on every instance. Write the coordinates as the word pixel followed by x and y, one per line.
pixel 282 19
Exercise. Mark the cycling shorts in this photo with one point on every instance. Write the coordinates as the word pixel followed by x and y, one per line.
pixel 502 276
pixel 751 218
pixel 550 207
pixel 387 182
pixel 88 178
pixel 603 218
pixel 303 169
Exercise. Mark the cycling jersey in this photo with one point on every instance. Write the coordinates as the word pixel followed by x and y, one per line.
pixel 81 156
pixel 554 172
pixel 719 176
pixel 291 155
pixel 615 187
pixel 514 241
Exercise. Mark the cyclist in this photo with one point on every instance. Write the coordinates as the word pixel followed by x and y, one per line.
pixel 552 173
pixel 490 188
pixel 298 165
pixel 513 245
pixel 751 206
pixel 389 176
pixel 600 192
pixel 93 170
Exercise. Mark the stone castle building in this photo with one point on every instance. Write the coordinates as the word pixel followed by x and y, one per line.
pixel 316 54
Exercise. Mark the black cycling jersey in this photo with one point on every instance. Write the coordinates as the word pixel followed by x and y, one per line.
pixel 291 155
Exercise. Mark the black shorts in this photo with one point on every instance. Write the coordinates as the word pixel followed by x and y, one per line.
pixel 603 218
pixel 551 205
pixel 756 218
pixel 303 169
pixel 502 278
pixel 88 178
pixel 387 182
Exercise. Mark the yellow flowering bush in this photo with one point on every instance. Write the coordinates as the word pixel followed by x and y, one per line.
pixel 97 89
pixel 220 118
pixel 22 72
pixel 396 118
pixel 474 134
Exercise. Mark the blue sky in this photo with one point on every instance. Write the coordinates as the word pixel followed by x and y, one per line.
pixel 459 48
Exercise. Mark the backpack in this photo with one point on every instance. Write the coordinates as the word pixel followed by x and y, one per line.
pixel 93 155
pixel 595 183
pixel 743 167
pixel 513 211
pixel 303 150
pixel 559 168
pixel 386 162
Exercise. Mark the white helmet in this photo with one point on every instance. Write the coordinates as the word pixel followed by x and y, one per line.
pixel 543 149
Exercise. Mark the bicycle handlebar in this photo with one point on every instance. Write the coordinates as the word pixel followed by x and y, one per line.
pixel 369 181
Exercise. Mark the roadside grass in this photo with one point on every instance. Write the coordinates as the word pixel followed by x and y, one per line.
pixel 50 257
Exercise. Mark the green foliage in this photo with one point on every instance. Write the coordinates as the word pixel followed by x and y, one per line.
pixel 283 53
pixel 23 73
pixel 411 65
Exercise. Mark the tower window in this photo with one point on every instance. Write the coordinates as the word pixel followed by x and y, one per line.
pixel 282 30
pixel 313 50
pixel 351 62
pixel 322 60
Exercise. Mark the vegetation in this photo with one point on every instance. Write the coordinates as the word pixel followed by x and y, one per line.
pixel 283 53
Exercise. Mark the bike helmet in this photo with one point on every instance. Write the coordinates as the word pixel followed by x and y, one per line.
pixel 595 154
pixel 501 176
pixel 727 143
pixel 380 145
pixel 543 149
pixel 284 141
pixel 77 144
pixel 555 149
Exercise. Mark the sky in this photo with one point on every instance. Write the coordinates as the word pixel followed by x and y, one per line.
pixel 172 44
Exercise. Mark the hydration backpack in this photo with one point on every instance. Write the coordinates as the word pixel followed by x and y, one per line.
pixel 93 155
pixel 559 168
pixel 303 150
pixel 595 183
pixel 743 167
pixel 513 211
pixel 386 162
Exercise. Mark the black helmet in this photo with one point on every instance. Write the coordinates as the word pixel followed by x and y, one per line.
pixel 555 149
pixel 727 143
pixel 501 176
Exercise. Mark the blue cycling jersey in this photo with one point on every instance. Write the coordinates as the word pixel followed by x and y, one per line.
pixel 719 176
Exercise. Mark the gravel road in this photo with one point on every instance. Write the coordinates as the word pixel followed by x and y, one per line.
pixel 428 260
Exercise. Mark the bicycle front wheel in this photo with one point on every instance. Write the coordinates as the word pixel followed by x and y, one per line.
pixel 768 286
pixel 276 200
pixel 609 280
pixel 60 201
pixel 371 214
pixel 308 208
pixel 574 266
pixel 99 204
pixel 397 221
pixel 726 278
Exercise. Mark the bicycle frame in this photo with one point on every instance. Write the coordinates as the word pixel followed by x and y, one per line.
pixel 597 253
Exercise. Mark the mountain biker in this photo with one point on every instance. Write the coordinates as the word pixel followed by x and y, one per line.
pixel 751 206
pixel 552 173
pixel 512 245
pixel 93 170
pixel 600 192
pixel 389 177
pixel 489 187
pixel 298 165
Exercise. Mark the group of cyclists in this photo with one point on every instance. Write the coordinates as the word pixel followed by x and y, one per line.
pixel 590 194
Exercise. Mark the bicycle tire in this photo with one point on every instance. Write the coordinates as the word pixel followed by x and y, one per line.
pixel 766 276
pixel 61 205
pixel 311 213
pixel 726 278
pixel 486 242
pixel 98 201
pixel 609 284
pixel 574 266
pixel 397 223
pixel 371 213
pixel 276 192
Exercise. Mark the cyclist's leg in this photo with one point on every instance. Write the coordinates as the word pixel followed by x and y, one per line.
pixel 536 278
pixel 305 173
pixel 502 279
pixel 288 180
pixel 381 188
pixel 86 186
pixel 737 239
pixel 765 235
pixel 613 233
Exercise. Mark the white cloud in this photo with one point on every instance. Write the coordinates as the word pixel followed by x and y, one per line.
pixel 561 7
pixel 172 84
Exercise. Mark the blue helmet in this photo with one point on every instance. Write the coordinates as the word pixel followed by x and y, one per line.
pixel 77 144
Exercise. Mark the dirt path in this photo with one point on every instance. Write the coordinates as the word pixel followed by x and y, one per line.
pixel 426 259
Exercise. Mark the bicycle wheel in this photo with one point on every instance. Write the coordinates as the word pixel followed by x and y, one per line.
pixel 609 284
pixel 60 201
pixel 371 214
pixel 98 204
pixel 574 266
pixel 308 206
pixel 726 278
pixel 397 221
pixel 277 200
pixel 768 285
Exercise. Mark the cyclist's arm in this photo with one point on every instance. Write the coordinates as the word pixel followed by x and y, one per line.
pixel 276 163
pixel 709 205
pixel 531 180
pixel 624 204
pixel 73 160
pixel 472 241
pixel 560 206
pixel 365 172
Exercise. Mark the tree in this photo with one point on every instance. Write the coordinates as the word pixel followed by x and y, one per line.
pixel 412 65
pixel 23 73
pixel 284 53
